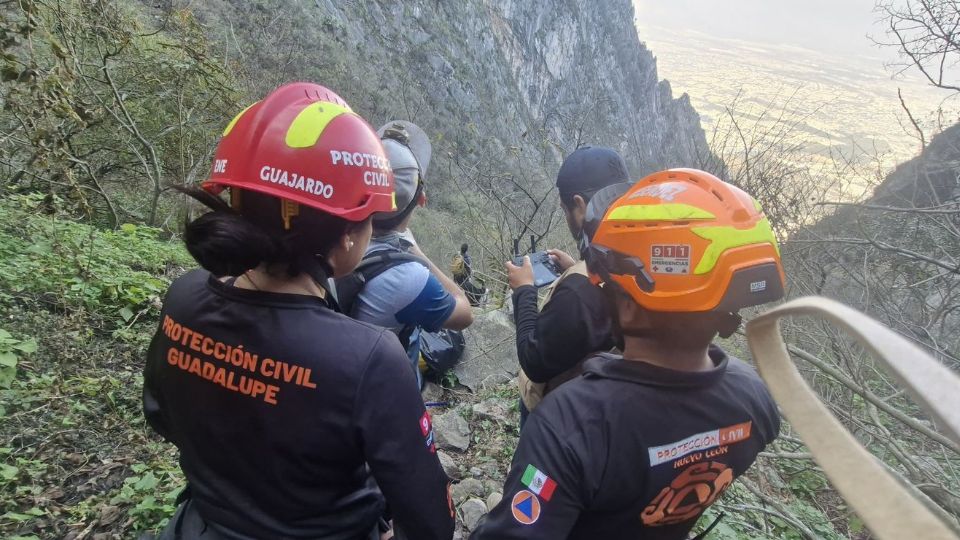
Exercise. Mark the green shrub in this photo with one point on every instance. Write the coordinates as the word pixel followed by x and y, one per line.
pixel 10 351
pixel 117 275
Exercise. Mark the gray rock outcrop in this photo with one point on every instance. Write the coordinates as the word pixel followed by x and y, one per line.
pixel 452 431
pixel 471 511
pixel 479 76
pixel 491 354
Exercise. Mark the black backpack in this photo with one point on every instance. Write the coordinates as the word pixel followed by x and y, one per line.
pixel 349 286
pixel 442 349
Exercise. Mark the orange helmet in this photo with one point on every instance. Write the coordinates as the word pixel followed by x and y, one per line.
pixel 684 240
pixel 303 144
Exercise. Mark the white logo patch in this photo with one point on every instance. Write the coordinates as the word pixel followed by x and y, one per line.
pixel 665 192
pixel 670 259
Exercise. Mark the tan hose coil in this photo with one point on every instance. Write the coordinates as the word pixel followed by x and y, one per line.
pixel 887 509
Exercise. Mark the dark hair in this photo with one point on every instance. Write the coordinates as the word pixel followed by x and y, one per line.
pixel 688 330
pixel 463 249
pixel 587 170
pixel 227 242
pixel 567 198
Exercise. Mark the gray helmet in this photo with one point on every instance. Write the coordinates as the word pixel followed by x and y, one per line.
pixel 408 150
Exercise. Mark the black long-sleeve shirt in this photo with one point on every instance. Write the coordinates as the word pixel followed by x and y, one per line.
pixel 633 451
pixel 572 325
pixel 288 416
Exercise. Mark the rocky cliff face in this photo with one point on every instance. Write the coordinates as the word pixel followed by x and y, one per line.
pixel 583 75
pixel 895 256
pixel 482 76
pixel 930 179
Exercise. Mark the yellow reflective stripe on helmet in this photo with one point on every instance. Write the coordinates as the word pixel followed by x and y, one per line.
pixel 310 123
pixel 724 238
pixel 233 122
pixel 659 212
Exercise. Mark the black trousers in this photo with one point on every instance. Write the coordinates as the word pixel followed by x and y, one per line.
pixel 188 524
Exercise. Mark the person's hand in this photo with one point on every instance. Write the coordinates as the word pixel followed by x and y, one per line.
pixel 518 276
pixel 561 258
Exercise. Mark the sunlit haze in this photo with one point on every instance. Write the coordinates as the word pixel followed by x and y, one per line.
pixel 814 59
pixel 840 27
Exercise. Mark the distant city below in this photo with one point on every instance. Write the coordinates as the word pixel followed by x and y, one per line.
pixel 841 103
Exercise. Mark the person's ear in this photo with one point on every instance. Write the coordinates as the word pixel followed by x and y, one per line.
pixel 627 312
pixel 579 209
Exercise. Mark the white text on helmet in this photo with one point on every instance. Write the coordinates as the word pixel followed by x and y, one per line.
pixel 371 178
pixel 359 159
pixel 295 181
pixel 660 191
pixel 758 286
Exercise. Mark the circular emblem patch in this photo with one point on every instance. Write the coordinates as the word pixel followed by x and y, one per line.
pixel 526 507
pixel 689 494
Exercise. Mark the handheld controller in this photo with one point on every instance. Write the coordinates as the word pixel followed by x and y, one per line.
pixel 545 271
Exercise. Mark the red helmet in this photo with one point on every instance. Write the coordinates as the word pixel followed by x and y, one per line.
pixel 304 144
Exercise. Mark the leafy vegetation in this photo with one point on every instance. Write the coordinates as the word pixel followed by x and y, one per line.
pixel 105 104
pixel 10 351
pixel 70 266
pixel 77 454
pixel 104 108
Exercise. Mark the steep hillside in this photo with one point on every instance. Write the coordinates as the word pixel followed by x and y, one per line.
pixel 573 72
pixel 505 89
pixel 930 179
pixel 106 104
pixel 894 254
pixel 895 257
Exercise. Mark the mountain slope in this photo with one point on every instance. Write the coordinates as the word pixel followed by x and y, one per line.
pixel 480 76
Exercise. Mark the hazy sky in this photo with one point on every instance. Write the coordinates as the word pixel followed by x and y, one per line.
pixel 839 26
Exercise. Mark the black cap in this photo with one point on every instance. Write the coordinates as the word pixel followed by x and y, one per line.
pixel 590 168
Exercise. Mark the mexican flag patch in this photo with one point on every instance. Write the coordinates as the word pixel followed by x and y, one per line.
pixel 538 482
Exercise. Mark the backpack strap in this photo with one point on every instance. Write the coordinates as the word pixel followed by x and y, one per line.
pixel 889 510
pixel 348 288
pixel 378 262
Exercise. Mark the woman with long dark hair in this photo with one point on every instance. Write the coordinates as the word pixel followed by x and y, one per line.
pixel 292 420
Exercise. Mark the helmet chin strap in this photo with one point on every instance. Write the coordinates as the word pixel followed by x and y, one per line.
pixel 320 271
pixel 729 325
pixel 583 244
pixel 610 290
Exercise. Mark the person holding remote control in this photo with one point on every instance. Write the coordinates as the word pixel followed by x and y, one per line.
pixel 574 320
pixel 646 440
